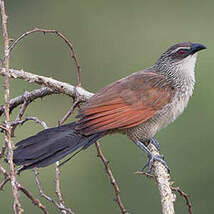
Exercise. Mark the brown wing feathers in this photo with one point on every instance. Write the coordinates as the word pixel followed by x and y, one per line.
pixel 125 103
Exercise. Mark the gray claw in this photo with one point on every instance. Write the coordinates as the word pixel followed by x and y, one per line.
pixel 152 158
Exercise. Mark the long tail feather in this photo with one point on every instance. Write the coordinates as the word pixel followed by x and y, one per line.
pixel 51 145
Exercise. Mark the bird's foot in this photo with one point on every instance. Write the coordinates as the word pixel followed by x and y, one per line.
pixel 154 142
pixel 152 157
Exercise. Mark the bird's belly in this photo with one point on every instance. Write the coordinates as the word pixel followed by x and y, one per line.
pixel 160 120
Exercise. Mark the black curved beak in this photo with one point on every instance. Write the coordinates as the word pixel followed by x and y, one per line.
pixel 197 47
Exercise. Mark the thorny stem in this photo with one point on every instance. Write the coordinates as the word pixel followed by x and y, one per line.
pixel 111 177
pixel 60 87
pixel 19 116
pixel 66 116
pixel 58 191
pixel 186 197
pixel 16 205
pixel 23 189
pixel 35 119
pixel 6 177
pixel 61 36
pixel 31 197
pixel 29 96
pixel 68 210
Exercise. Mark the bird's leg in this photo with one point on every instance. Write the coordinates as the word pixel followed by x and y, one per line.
pixel 151 157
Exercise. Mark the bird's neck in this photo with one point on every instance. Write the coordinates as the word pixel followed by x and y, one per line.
pixel 182 74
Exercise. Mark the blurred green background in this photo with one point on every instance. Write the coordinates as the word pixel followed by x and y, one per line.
pixel 113 39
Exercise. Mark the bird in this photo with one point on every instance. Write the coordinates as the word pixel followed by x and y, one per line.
pixel 137 106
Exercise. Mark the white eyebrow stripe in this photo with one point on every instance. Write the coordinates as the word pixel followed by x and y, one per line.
pixel 180 48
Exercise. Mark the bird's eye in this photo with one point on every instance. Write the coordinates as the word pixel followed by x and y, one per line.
pixel 181 52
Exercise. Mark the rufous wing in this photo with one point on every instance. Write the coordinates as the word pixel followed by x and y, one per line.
pixel 125 103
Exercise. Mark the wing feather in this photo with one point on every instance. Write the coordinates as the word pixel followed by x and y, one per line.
pixel 125 103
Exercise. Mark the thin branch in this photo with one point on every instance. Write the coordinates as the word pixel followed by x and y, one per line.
pixel 144 173
pixel 3 171
pixel 48 197
pixel 4 146
pixel 6 177
pixel 40 189
pixel 163 180
pixel 23 189
pixel 35 119
pixel 23 107
pixel 16 205
pixel 29 96
pixel 185 196
pixel 73 54
pixel 31 197
pixel 69 112
pixel 112 179
pixel 19 116
pixel 3 149
pixel 2 184
pixel 2 127
pixel 61 87
pixel 58 191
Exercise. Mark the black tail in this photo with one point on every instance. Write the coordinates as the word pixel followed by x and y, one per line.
pixel 51 145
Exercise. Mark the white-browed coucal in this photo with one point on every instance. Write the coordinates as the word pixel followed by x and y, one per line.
pixel 138 106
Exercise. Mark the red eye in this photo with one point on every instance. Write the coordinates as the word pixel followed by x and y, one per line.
pixel 180 52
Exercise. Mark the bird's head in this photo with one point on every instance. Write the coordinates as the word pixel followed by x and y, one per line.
pixel 181 56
